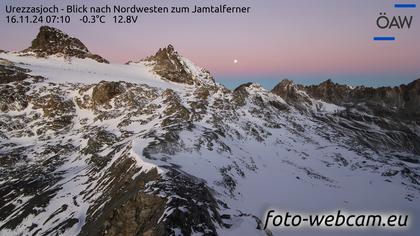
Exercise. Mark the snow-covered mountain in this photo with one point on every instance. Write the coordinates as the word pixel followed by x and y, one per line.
pixel 157 147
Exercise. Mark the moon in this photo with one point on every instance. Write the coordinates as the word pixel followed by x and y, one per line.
pixel 235 61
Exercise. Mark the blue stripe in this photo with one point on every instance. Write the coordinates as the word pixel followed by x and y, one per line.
pixel 405 6
pixel 384 38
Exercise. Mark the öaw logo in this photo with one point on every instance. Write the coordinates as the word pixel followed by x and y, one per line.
pixel 397 22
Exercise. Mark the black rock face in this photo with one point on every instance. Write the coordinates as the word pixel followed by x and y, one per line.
pixel 51 41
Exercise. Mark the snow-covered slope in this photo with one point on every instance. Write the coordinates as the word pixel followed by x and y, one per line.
pixel 103 149
pixel 86 71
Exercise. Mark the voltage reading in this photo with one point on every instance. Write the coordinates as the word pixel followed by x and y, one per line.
pixel 128 19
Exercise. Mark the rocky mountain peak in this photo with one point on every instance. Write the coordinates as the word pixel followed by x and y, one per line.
pixel 170 48
pixel 329 91
pixel 284 84
pixel 50 38
pixel 52 41
pixel 171 66
pixel 328 82
pixel 164 53
pixel 290 92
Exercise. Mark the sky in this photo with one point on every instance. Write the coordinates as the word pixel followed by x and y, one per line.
pixel 307 41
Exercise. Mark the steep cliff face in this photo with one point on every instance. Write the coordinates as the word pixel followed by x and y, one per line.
pixel 157 147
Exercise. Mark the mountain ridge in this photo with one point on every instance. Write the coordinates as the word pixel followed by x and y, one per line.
pixel 402 102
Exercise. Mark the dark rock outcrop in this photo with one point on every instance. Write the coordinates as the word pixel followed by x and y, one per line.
pixel 53 105
pixel 330 92
pixel 175 112
pixel 287 90
pixel 194 209
pixel 105 91
pixel 138 216
pixel 169 65
pixel 51 41
pixel 10 73
pixel 242 88
pixel 13 98
pixel 240 93
pixel 127 210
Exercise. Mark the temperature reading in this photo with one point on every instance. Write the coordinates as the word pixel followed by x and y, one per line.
pixel 92 19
